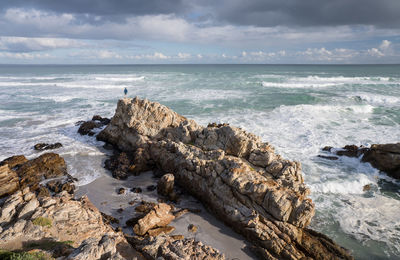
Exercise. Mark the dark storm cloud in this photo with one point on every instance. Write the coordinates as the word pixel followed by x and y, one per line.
pixel 383 13
pixel 100 7
pixel 261 13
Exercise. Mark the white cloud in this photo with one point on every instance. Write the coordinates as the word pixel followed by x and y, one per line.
pixel 184 55
pixel 375 52
pixel 385 45
pixel 26 44
pixel 24 55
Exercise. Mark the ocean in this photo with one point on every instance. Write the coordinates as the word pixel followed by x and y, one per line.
pixel 298 109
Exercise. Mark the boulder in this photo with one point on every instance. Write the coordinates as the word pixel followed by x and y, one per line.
pixel 236 175
pixel 385 157
pixel 45 146
pixel 165 185
pixel 87 127
pixel 159 216
pixel 14 161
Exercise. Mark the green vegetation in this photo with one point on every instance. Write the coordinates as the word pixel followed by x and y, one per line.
pixel 47 245
pixel 42 221
pixel 8 255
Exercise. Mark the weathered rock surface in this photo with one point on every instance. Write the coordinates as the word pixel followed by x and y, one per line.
pixel 234 173
pixel 169 247
pixel 9 181
pixel 45 146
pixel 31 172
pixel 25 218
pixel 384 157
pixel 165 185
pixel 157 217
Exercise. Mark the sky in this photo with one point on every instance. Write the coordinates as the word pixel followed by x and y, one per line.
pixel 199 32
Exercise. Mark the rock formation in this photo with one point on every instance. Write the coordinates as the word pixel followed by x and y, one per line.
pixel 170 247
pixel 17 171
pixel 384 157
pixel 97 121
pixel 46 146
pixel 237 176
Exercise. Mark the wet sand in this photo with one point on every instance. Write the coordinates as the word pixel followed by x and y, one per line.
pixel 103 192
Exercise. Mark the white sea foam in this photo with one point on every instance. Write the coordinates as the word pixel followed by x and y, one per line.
pixel 376 99
pixel 325 82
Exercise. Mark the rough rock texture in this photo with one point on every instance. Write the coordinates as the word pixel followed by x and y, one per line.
pixel 165 185
pixel 168 247
pixel 9 181
pixel 45 146
pixel 32 172
pixel 24 218
pixel 159 216
pixel 86 127
pixel 384 157
pixel 235 174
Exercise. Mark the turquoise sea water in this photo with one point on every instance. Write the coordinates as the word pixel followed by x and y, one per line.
pixel 298 109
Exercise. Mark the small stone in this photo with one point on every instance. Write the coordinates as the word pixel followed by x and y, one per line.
pixel 166 184
pixel 132 202
pixel 151 187
pixel 120 210
pixel 177 237
pixel 121 190
pixel 367 187
pixel 327 148
pixel 192 228
pixel 136 190
pixel 162 230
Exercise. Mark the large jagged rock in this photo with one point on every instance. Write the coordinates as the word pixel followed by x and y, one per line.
pixel 384 157
pixel 235 174
pixel 30 173
pixel 26 219
pixel 167 247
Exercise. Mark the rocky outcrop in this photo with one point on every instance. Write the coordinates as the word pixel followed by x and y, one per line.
pixel 384 157
pixel 235 174
pixel 86 128
pixel 30 173
pixel 165 186
pixel 27 219
pixel 46 146
pixel 169 247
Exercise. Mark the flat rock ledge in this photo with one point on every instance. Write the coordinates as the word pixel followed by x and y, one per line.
pixel 238 177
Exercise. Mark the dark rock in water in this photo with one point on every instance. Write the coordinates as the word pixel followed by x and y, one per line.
pixel 87 127
pixel 385 157
pixel 45 146
pixel 151 187
pixel 108 146
pixel 349 151
pixel 120 210
pixel 367 187
pixel 136 190
pixel 133 221
pixel 103 120
pixel 109 219
pixel 121 190
pixel 328 157
pixel 327 148
pixel 145 207
pixel 79 122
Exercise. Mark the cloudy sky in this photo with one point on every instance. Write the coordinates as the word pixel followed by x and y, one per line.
pixel 203 31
